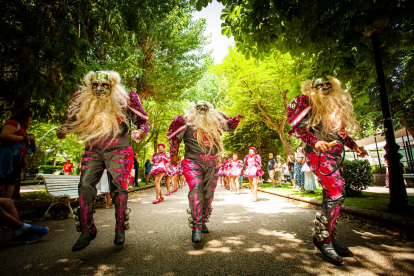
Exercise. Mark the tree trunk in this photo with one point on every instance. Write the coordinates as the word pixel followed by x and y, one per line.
pixel 279 128
pixel 406 124
pixel 156 141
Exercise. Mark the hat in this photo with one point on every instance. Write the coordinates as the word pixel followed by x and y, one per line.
pixel 235 154
pixel 160 144
pixel 252 148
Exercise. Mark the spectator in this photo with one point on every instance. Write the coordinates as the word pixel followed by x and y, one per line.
pixel 291 167
pixel 299 175
pixel 68 167
pixel 147 168
pixel 56 172
pixel 271 168
pixel 278 170
pixel 23 233
pixel 15 146
pixel 136 168
pixel 310 179
pixel 104 183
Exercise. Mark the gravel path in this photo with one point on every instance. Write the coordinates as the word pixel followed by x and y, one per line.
pixel 269 237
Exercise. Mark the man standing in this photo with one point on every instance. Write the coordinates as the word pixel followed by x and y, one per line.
pixel 201 130
pixel 136 168
pixel 100 115
pixel 291 167
pixel 271 168
pixel 68 167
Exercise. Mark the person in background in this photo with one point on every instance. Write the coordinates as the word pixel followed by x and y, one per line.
pixel 278 170
pixel 15 146
pixel 68 167
pixel 291 167
pixel 271 168
pixel 136 168
pixel 299 175
pixel 253 163
pixel 23 233
pixel 147 168
pixel 56 172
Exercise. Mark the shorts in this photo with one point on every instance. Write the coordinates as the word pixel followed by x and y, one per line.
pixel 271 174
pixel 278 174
pixel 292 175
pixel 241 179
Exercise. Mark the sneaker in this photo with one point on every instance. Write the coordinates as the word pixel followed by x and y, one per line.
pixel 24 238
pixel 38 230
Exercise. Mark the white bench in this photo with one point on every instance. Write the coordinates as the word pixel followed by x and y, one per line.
pixel 62 188
pixel 408 175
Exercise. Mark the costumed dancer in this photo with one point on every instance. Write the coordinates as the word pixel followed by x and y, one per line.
pixel 160 163
pixel 172 175
pixel 99 114
pixel 226 173
pixel 200 129
pixel 235 170
pixel 220 173
pixel 318 118
pixel 253 163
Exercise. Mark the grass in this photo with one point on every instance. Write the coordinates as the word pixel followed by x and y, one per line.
pixel 287 189
pixel 368 201
pixel 30 181
pixel 38 195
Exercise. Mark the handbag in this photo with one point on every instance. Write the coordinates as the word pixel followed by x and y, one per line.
pixel 305 168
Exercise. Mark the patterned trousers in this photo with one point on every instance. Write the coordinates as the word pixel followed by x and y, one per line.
pixel 118 161
pixel 202 181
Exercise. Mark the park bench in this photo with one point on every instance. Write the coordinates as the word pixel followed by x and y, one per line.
pixel 62 188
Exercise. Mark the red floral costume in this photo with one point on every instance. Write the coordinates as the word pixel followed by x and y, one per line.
pixel 160 161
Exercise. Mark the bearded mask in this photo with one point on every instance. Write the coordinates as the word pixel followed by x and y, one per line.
pixel 100 84
pixel 201 107
pixel 323 86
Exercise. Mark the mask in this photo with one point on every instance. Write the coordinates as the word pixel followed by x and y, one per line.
pixel 323 85
pixel 202 107
pixel 100 84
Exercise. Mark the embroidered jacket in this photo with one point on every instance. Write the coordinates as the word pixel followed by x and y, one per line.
pixel 298 114
pixel 181 130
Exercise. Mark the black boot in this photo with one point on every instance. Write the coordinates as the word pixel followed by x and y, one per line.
pixel 85 238
pixel 84 224
pixel 328 251
pixel 204 229
pixel 119 237
pixel 342 251
pixel 121 217
pixel 196 235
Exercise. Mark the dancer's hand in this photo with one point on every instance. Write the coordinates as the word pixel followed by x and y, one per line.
pixel 238 117
pixel 174 160
pixel 360 150
pixel 61 133
pixel 137 135
pixel 322 146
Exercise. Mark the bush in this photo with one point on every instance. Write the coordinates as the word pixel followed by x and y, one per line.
pixel 48 169
pixel 357 177
pixel 376 169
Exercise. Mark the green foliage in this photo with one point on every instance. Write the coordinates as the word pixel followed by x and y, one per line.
pixel 48 169
pixel 335 35
pixel 376 169
pixel 262 89
pixel 357 177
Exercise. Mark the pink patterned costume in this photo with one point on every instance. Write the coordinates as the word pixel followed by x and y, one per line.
pixel 160 161
pixel 199 169
pixel 221 169
pixel 116 156
pixel 298 114
pixel 253 166
pixel 235 168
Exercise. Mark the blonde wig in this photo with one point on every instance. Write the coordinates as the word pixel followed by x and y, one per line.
pixel 334 111
pixel 209 127
pixel 97 118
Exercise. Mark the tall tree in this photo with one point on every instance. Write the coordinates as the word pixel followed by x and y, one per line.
pixel 262 89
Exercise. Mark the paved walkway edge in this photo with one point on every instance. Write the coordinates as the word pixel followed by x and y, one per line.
pixel 381 217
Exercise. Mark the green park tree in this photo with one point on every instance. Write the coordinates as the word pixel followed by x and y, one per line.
pixel 262 89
